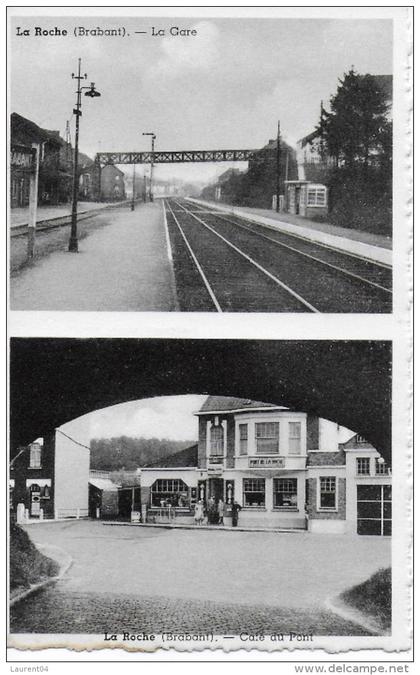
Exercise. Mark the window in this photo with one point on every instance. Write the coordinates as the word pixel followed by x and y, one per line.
pixel 35 456
pixel 285 493
pixel 243 439
pixel 363 466
pixel 254 491
pixel 381 468
pixel 327 492
pixel 216 441
pixel 267 438
pixel 317 196
pixel 360 439
pixel 294 438
pixel 169 492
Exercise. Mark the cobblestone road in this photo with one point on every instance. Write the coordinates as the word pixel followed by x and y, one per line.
pixel 131 579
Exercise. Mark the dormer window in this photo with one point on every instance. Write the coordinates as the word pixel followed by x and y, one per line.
pixel 267 438
pixel 216 441
pixel 35 456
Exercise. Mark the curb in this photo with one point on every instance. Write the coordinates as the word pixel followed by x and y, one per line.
pixel 339 243
pixel 212 528
pixel 65 561
pixel 348 613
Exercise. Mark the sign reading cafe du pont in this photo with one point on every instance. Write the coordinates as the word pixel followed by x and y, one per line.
pixel 266 462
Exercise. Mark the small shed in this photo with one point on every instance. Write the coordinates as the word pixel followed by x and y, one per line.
pixel 307 199
pixel 103 498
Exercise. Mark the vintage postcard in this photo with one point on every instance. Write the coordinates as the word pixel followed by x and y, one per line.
pixel 209 248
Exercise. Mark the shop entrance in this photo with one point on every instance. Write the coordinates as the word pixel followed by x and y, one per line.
pixel 216 489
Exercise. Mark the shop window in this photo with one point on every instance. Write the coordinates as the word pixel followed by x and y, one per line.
pixel 267 438
pixel 170 492
pixel 327 492
pixel 317 196
pixel 363 466
pixel 35 457
pixel 285 493
pixel 294 438
pixel 216 441
pixel 254 492
pixel 243 439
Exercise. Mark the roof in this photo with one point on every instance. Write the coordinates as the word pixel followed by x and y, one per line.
pixel 25 131
pixel 356 442
pixel 183 458
pixel 104 484
pixel 230 403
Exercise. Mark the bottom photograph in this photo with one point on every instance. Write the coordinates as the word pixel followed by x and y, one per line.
pixel 195 494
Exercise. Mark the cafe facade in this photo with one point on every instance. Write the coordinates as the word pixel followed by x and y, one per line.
pixel 285 468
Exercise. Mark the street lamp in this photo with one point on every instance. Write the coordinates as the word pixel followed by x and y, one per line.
pixel 91 91
pixel 150 133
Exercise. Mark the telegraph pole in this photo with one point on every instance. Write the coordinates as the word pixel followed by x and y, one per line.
pixel 152 157
pixel 278 169
pixel 73 243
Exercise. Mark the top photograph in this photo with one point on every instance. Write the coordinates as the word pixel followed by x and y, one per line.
pixel 201 164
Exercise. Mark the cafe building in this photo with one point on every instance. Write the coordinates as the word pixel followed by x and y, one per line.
pixel 285 468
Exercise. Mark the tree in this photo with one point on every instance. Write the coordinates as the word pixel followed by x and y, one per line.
pixel 356 132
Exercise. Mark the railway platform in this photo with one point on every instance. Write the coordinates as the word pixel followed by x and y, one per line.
pixel 123 265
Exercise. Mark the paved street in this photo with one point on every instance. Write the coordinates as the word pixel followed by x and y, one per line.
pixel 133 578
pixel 121 266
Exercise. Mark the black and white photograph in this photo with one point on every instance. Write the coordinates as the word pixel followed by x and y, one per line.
pixel 213 165
pixel 209 347
pixel 188 504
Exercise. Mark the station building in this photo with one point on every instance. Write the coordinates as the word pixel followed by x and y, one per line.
pixel 285 468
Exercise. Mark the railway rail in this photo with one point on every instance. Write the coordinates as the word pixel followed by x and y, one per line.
pixel 230 256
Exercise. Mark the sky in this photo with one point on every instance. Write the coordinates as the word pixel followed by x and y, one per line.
pixel 161 417
pixel 170 417
pixel 224 88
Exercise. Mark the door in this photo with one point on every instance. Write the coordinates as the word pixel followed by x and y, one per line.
pixel 297 201
pixel 374 510
pixel 35 505
pixel 216 489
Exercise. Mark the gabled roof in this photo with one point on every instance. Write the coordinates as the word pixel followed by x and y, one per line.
pixel 230 403
pixel 356 442
pixel 25 131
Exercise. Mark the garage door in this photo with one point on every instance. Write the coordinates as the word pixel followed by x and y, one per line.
pixel 374 509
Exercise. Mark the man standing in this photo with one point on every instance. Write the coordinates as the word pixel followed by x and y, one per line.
pixel 235 513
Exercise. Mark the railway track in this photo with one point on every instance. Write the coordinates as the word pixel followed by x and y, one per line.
pixel 242 266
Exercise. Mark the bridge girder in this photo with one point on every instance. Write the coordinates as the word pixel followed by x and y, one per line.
pixel 174 156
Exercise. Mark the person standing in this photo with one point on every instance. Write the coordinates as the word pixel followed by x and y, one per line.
pixel 199 513
pixel 235 513
pixel 220 510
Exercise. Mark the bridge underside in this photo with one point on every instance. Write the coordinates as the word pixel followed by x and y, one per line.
pixel 174 157
pixel 56 380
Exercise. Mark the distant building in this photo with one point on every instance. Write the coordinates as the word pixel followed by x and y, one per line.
pixel 285 468
pixel 112 183
pixel 50 478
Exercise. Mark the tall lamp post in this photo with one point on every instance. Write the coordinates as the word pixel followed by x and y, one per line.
pixel 150 133
pixel 91 91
